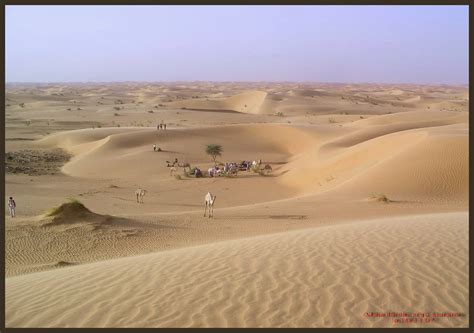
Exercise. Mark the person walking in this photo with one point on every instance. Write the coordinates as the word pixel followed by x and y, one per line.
pixel 11 206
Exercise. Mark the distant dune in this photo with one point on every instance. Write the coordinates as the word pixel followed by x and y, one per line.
pixel 247 102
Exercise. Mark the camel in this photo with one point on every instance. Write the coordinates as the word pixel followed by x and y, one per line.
pixel 267 168
pixel 140 193
pixel 232 169
pixel 184 166
pixel 172 170
pixel 214 172
pixel 209 200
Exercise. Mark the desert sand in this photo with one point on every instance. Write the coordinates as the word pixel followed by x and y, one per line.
pixel 365 210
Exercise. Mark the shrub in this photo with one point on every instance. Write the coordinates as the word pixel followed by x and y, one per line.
pixel 117 108
pixel 116 114
pixel 28 123
pixel 178 177
pixel 22 105
pixel 99 125
pixel 332 120
pixel 379 197
pixel 151 111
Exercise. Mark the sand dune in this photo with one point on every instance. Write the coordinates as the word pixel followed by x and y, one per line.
pixel 388 148
pixel 247 102
pixel 321 277
pixel 305 246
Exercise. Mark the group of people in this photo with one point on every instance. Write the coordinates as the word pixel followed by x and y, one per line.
pixel 172 164
pixel 161 126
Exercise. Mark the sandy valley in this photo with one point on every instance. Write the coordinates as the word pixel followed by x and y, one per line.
pixel 365 208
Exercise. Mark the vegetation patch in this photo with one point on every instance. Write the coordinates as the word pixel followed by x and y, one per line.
pixel 35 162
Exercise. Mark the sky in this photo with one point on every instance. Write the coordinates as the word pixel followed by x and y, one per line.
pixel 385 44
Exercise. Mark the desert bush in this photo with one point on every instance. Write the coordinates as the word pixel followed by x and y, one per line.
pixel 28 123
pixel 116 114
pixel 99 125
pixel 22 105
pixel 178 177
pixel 79 109
pixel 380 197
pixel 151 111
pixel 117 108
pixel 74 205
pixel 279 114
pixel 332 120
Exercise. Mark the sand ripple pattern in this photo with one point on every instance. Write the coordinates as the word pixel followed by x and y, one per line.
pixel 320 277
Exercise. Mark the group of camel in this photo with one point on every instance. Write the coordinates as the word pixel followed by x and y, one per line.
pixel 209 200
pixel 228 169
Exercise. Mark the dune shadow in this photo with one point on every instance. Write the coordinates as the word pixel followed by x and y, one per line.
pixel 210 110
pixel 179 204
pixel 273 217
pixel 131 224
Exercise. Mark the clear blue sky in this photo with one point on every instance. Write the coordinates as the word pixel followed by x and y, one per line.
pixel 393 44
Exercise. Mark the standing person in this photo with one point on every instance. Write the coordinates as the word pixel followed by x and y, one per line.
pixel 164 125
pixel 154 147
pixel 11 206
pixel 157 127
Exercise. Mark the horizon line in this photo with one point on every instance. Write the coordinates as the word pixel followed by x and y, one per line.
pixel 239 81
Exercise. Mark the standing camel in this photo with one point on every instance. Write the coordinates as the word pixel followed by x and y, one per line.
pixel 172 170
pixel 140 193
pixel 209 202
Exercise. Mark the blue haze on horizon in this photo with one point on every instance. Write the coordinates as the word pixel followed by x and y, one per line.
pixel 385 44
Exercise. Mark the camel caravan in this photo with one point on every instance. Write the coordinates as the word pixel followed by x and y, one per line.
pixel 224 169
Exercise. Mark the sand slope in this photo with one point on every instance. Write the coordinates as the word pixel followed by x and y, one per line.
pixel 321 277
pixel 247 102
